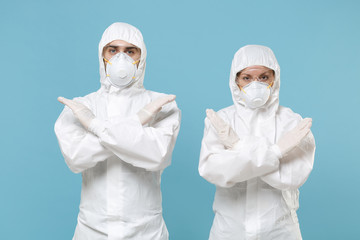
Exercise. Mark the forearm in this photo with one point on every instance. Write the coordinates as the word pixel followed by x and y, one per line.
pixel 295 168
pixel 145 147
pixel 80 148
pixel 250 157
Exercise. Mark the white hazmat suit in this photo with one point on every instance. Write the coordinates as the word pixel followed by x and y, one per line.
pixel 256 188
pixel 121 166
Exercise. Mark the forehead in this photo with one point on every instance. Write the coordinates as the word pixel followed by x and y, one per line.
pixel 255 70
pixel 120 43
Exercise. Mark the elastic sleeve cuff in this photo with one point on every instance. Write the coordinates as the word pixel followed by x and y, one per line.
pixel 144 116
pixel 96 127
pixel 135 118
pixel 275 148
pixel 236 146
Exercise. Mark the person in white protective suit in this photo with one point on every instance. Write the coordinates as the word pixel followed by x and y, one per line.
pixel 120 138
pixel 257 153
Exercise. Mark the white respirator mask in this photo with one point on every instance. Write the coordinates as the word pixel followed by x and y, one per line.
pixel 255 94
pixel 121 70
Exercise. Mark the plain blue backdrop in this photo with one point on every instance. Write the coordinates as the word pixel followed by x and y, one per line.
pixel 49 48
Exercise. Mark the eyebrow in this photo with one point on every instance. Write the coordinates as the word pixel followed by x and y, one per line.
pixel 129 47
pixel 269 71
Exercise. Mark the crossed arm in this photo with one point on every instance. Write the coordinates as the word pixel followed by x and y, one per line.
pixel 85 140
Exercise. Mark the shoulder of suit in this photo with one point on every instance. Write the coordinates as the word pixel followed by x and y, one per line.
pixel 154 95
pixel 87 99
pixel 286 114
pixel 227 112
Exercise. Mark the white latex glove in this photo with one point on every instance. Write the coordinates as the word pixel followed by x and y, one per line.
pixel 226 134
pixel 149 111
pixel 291 139
pixel 80 111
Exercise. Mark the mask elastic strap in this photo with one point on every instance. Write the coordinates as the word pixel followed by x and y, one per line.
pixel 107 61
pixel 271 84
pixel 242 89
pixel 134 64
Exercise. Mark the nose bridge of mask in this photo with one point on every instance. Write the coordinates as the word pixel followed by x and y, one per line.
pixel 119 56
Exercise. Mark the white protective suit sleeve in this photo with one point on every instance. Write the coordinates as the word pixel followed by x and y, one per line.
pixel 80 148
pixel 250 157
pixel 295 167
pixel 148 147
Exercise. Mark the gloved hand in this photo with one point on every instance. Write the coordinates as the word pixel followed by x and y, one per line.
pixel 80 111
pixel 291 139
pixel 146 113
pixel 226 134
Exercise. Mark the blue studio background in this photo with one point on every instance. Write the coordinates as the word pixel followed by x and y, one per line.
pixel 49 48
